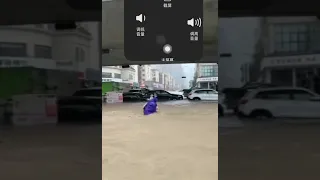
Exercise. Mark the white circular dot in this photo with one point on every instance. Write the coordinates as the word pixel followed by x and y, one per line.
pixel 167 48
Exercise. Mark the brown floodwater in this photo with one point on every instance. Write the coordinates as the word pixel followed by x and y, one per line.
pixel 178 143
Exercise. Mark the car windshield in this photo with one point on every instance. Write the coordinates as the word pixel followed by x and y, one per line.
pixel 135 90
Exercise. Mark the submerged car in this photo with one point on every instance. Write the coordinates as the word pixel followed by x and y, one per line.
pixel 165 95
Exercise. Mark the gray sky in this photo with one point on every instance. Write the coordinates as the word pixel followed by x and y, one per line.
pixel 178 71
pixel 189 72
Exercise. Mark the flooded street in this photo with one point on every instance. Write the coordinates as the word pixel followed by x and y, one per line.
pixel 178 143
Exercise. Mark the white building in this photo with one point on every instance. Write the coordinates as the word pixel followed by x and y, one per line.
pixel 161 78
pixel 128 75
pixel 42 46
pixel 111 74
pixel 119 74
pixel 166 83
pixel 207 74
pixel 292 51
pixel 136 68
pixel 155 75
pixel 146 73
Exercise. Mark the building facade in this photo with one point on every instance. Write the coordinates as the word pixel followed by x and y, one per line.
pixel 238 38
pixel 292 51
pixel 112 74
pixel 119 74
pixel 155 75
pixel 128 75
pixel 146 73
pixel 207 74
pixel 42 46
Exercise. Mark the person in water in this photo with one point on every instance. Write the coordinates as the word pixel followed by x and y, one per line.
pixel 151 106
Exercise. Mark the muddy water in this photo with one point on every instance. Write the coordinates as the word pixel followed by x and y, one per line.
pixel 178 143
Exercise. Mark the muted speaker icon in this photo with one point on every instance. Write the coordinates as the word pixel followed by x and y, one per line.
pixel 194 22
pixel 141 18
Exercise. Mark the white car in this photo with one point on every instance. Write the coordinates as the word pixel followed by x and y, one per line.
pixel 203 94
pixel 280 102
pixel 176 92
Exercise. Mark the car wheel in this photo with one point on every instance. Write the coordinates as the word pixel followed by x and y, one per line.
pixel 196 99
pixel 261 114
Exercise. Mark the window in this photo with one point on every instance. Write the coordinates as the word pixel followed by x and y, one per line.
pixel 201 92
pixel 211 92
pixel 135 91
pixel 215 71
pixel 106 75
pixel 291 38
pixel 162 92
pixel 315 38
pixel 41 51
pixel 301 95
pixel 13 49
pixel 209 71
pixel 275 94
pixel 116 75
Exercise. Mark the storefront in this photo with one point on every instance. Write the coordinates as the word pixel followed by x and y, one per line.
pixel 207 82
pixel 295 71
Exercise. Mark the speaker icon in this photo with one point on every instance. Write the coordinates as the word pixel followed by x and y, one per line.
pixel 194 22
pixel 141 18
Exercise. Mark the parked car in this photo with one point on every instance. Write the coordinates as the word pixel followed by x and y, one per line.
pixel 142 92
pixel 93 94
pixel 76 110
pixel 133 97
pixel 203 94
pixel 165 95
pixel 280 102
pixel 176 92
pixel 233 95
pixel 85 105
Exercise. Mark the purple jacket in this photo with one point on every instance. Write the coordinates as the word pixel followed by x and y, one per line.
pixel 151 106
